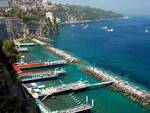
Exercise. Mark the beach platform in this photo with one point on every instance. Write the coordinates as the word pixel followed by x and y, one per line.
pixel 41 75
pixel 24 66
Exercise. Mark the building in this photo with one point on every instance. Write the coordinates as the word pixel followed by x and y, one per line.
pixel 4 3
pixel 45 4
pixel 34 4
pixel 51 16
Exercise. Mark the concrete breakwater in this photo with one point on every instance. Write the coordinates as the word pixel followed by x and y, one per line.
pixel 63 55
pixel 43 39
pixel 140 95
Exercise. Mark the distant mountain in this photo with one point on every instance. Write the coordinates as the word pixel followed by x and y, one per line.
pixel 74 13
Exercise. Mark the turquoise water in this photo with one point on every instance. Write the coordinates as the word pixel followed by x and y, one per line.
pixel 124 51
pixel 92 44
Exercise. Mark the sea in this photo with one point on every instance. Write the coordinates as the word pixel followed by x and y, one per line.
pixel 123 51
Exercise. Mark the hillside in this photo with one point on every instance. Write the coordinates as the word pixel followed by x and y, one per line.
pixel 73 13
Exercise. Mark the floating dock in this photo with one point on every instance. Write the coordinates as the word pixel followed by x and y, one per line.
pixel 20 67
pixel 63 55
pixel 140 95
pixel 41 75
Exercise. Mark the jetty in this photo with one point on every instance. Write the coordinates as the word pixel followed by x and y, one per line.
pixel 76 109
pixel 25 44
pixel 22 49
pixel 41 75
pixel 75 86
pixel 63 55
pixel 140 95
pixel 19 67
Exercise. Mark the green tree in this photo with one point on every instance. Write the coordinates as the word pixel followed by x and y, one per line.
pixel 9 50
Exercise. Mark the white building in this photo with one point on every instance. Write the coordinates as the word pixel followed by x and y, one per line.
pixel 4 3
pixel 51 16
pixel 45 3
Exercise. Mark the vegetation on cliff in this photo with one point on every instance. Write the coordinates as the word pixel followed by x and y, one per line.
pixel 12 96
pixel 73 13
pixel 36 17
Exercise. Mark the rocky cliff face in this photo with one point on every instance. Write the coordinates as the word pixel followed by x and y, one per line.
pixel 12 28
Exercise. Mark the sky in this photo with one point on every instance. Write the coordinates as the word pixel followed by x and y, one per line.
pixel 128 7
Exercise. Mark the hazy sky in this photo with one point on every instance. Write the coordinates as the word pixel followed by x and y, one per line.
pixel 136 7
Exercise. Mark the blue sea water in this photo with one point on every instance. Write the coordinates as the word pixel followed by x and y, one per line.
pixel 125 52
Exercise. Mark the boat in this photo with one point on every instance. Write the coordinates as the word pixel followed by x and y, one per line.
pixel 72 25
pixel 104 27
pixel 86 26
pixel 110 30
pixel 146 31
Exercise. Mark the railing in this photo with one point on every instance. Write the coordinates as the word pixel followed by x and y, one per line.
pixel 77 109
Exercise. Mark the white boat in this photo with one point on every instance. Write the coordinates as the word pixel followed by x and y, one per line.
pixel 72 25
pixel 110 30
pixel 86 26
pixel 125 17
pixel 146 31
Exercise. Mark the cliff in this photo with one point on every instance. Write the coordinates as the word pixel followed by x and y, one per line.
pixel 73 13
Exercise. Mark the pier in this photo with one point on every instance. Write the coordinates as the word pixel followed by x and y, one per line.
pixel 26 44
pixel 22 49
pixel 42 75
pixel 63 55
pixel 76 109
pixel 19 67
pixel 142 96
pixel 64 88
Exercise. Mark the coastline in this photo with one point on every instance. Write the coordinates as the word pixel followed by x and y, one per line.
pixel 114 87
pixel 97 20
pixel 132 91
